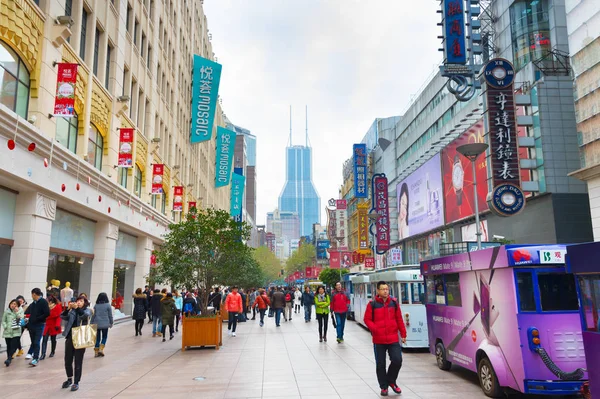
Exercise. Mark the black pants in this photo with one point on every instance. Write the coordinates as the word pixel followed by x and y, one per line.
pixel 139 323
pixel 73 354
pixel 45 343
pixel 262 315
pixel 296 308
pixel 164 329
pixel 253 312
pixel 322 319
pixel 149 313
pixel 232 322
pixel 11 346
pixel 395 351
pixel 177 318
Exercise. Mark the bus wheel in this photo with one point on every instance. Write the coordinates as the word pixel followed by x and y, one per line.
pixel 488 380
pixel 440 356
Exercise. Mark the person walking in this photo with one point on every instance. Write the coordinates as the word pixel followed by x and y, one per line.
pixel 156 317
pixel 297 300
pixel 76 314
pixel 383 317
pixel 234 306
pixel 278 304
pixel 103 318
pixel 270 295
pixel 261 302
pixel 214 299
pixel 308 299
pixel 253 295
pixel 36 313
pixel 140 307
pixel 167 312
pixel 11 329
pixel 179 305
pixel 339 307
pixel 190 306
pixel 289 302
pixel 52 327
pixel 23 306
pixel 322 303
pixel 148 293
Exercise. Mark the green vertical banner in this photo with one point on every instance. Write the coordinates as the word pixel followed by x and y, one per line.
pixel 224 159
pixel 205 92
pixel 237 195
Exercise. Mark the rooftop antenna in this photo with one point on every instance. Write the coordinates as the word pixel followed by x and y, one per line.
pixel 290 125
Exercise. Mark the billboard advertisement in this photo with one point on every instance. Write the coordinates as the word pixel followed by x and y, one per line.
pixel 395 256
pixel 224 159
pixel 178 198
pixel 420 200
pixel 205 91
pixel 322 247
pixel 458 177
pixel 334 259
pixel 66 81
pixel 360 170
pixel 157 178
pixel 125 148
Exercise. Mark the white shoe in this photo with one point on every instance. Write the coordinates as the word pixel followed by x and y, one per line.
pixel 233 334
pixel 228 332
pixel 28 356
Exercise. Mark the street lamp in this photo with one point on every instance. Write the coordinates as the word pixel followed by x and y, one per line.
pixel 471 152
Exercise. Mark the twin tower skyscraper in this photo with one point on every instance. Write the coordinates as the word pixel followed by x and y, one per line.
pixel 299 193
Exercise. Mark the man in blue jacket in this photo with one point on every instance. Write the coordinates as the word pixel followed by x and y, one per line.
pixel 308 300
pixel 37 313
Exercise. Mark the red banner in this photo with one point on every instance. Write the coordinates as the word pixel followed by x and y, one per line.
pixel 64 102
pixel 178 198
pixel 309 272
pixel 157 178
pixel 126 148
pixel 317 271
pixel 370 263
pixel 381 206
pixel 334 260
pixel 191 204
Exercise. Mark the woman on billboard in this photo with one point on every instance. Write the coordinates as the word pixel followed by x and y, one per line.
pixel 403 212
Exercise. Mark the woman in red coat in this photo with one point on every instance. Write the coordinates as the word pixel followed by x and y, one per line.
pixel 52 328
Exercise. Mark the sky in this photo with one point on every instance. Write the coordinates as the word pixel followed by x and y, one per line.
pixel 349 61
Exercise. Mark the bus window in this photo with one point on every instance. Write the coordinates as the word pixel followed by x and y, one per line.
pixel 392 289
pixel 453 289
pixel 440 294
pixel 418 294
pixel 557 292
pixel 590 301
pixel 368 290
pixel 430 282
pixel 526 295
pixel 405 294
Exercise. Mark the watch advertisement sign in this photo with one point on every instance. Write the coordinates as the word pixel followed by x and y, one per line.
pixel 206 77
pixel 178 198
pixel 64 101
pixel 420 200
pixel 360 170
pixel 125 148
pixel 158 169
pixel 458 177
pixel 322 247
pixel 381 206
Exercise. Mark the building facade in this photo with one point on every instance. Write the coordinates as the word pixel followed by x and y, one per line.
pixel 67 211
pixel 285 227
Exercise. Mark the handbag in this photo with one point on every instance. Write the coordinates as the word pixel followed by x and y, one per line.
pixel 84 336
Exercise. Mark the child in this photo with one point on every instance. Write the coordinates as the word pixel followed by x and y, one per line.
pixel 11 325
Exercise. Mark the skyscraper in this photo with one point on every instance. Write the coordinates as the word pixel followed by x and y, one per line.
pixel 299 193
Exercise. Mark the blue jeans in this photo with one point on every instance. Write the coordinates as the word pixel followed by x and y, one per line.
pixel 101 332
pixel 278 316
pixel 340 320
pixel 307 312
pixel 156 324
pixel 35 333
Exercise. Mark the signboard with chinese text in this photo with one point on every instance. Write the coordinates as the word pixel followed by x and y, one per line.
pixel 237 195
pixel 64 101
pixel 191 205
pixel 363 226
pixel 454 32
pixel 205 91
pixel 334 260
pixel 341 216
pixel 331 227
pixel 158 170
pixel 370 263
pixel 125 148
pixel 395 256
pixel 224 159
pixel 358 258
pixel 270 239
pixel 178 198
pixel 381 207
pixel 360 170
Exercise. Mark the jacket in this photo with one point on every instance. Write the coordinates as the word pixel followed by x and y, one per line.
pixel 278 300
pixel 297 298
pixel 53 321
pixel 262 301
pixel 384 320
pixel 155 304
pixel 308 298
pixel 233 303
pixel 140 307
pixel 7 321
pixel 215 300
pixel 103 316
pixel 322 307
pixel 75 318
pixel 191 301
pixel 178 302
pixel 167 309
pixel 38 312
pixel 340 302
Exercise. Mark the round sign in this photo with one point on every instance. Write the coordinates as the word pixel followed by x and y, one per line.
pixel 506 200
pixel 499 73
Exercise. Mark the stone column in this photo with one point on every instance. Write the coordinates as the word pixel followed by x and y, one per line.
pixel 105 242
pixel 142 261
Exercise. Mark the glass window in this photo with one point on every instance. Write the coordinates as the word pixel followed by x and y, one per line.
pixel 163 204
pixel 453 289
pixel 590 301
pixel 153 201
pixel 84 18
pixel 369 291
pixel 557 292
pixel 68 7
pixel 14 81
pixel 66 132
pixel 526 295
pixel 127 21
pixel 95 148
pixel 67 268
pixel 96 47
pixel 107 71
pixel 123 177
pixel 404 293
pixel 137 181
pixel 530 31
pixel 418 293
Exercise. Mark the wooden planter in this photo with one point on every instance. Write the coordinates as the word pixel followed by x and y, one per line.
pixel 201 331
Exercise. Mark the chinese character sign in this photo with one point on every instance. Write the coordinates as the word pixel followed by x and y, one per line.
pixel 395 256
pixel 178 198
pixel 332 227
pixel 224 160
pixel 205 80
pixel 64 102
pixel 334 260
pixel 381 207
pixel 341 216
pixel 157 178
pixel 503 136
pixel 237 195
pixel 363 226
pixel 370 263
pixel 126 148
pixel 454 32
pixel 360 170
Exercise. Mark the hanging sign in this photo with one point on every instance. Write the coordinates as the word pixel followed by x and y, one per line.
pixel 381 207
pixel 191 204
pixel 370 263
pixel 205 91
pixel 237 195
pixel 64 101
pixel 158 170
pixel 331 227
pixel 224 160
pixel 341 216
pixel 126 147
pixel 454 32
pixel 363 227
pixel 178 199
pixel 360 170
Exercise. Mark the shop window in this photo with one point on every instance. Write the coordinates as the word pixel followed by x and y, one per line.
pixel 123 177
pixel 590 301
pixel 14 81
pixel 68 268
pixel 530 31
pixel 557 292
pixel 137 181
pixel 95 148
pixel 404 293
pixel 66 132
pixel 526 292
pixel 418 293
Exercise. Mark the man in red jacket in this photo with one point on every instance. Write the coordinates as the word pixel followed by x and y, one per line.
pixel 233 304
pixel 339 307
pixel 383 317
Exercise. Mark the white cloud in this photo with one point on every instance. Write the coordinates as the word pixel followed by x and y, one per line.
pixel 350 61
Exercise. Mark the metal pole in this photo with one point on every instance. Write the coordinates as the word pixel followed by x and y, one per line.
pixel 478 231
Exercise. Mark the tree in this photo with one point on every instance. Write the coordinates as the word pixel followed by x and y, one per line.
pixel 302 258
pixel 243 272
pixel 198 251
pixel 331 276
pixel 268 262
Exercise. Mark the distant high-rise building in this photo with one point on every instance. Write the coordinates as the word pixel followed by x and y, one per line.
pixel 245 158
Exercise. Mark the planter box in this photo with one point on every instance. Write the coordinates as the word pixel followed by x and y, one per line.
pixel 201 331
pixel 224 314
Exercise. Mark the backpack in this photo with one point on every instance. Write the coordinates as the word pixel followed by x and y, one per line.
pixel 288 297
pixel 392 301
pixel 188 308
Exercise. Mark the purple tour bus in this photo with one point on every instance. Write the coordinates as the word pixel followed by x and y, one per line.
pixel 509 313
pixel 582 260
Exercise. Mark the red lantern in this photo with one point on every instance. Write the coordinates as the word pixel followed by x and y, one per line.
pixel 63 188
pixel 31 147
pixel 11 144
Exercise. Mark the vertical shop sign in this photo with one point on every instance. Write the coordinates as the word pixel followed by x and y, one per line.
pixel 64 101
pixel 334 259
pixel 191 205
pixel 126 147
pixel 309 272
pixel 360 170
pixel 331 227
pixel 341 215
pixel 395 256
pixel 178 198
pixel 224 160
pixel 370 263
pixel 363 227
pixel 205 81
pixel 237 194
pixel 454 32
pixel 157 178
pixel 381 207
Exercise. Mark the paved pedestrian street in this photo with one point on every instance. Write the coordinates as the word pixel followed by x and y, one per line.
pixel 269 362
